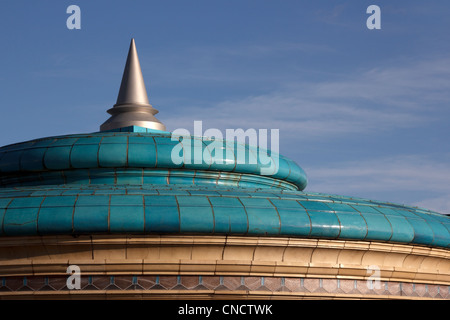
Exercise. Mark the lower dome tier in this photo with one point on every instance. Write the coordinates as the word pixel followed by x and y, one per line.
pixel 180 209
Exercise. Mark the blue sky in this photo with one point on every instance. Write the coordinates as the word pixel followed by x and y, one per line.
pixel 364 112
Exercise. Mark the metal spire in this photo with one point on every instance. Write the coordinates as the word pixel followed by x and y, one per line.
pixel 132 107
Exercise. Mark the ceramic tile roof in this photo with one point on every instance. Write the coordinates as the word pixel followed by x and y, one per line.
pixel 108 209
pixel 124 182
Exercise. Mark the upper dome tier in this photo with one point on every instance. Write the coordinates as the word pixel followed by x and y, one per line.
pixel 130 157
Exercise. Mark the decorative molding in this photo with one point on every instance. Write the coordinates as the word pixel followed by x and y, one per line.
pixel 223 256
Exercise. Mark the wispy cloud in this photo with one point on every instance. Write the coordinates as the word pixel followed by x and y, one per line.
pixel 225 63
pixel 405 96
pixel 414 174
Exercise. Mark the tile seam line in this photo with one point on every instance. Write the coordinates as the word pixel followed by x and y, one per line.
pixel 213 215
pixel 73 213
pixel 307 214
pixel 278 214
pixel 246 214
pixel 37 214
pixel 4 214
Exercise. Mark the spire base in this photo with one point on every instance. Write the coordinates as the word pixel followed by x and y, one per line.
pixel 132 115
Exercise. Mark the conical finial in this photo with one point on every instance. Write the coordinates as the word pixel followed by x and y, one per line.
pixel 132 107
pixel 132 89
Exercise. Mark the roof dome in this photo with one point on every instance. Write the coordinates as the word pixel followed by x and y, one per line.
pixel 139 158
pixel 123 180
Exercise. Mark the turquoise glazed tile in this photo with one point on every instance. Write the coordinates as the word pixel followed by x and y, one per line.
pixel 60 142
pixel 202 177
pixel 130 176
pixel 141 155
pixel 287 204
pixel 227 202
pixel 150 178
pixel 324 224
pixel 353 226
pixel 196 219
pixel 162 219
pixel 402 231
pixel 196 155
pixel 102 176
pixel 246 161
pixel 127 200
pixel 294 221
pixel 60 201
pixel 44 143
pixel 378 226
pixel 221 155
pixel 32 159
pixel 212 193
pixel 4 202
pixel 161 200
pixel 110 192
pixel 193 201
pixel 367 209
pixel 88 219
pixel 101 200
pixel 148 141
pixel 285 194
pixel 123 140
pixel 46 192
pixel 256 203
pixel 284 169
pixel 144 192
pixel 230 215
pixel 53 177
pixel 20 221
pixel 84 156
pixel 195 214
pixel 161 214
pixel 232 220
pixel 31 202
pixel 112 154
pixel 174 191
pixel 89 140
pixel 2 215
pixel 77 176
pixel 164 149
pixel 234 193
pixel 315 205
pixel 422 231
pixel 441 234
pixel 78 192
pixel 134 129
pixel 262 194
pixel 57 158
pixel 91 214
pixel 296 175
pixel 127 214
pixel 263 221
pixel 342 207
pixel 55 220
